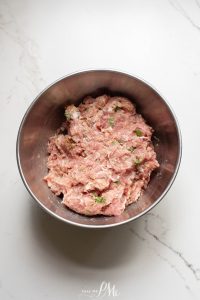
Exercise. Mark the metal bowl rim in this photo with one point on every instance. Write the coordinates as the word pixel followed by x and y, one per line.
pixel 114 224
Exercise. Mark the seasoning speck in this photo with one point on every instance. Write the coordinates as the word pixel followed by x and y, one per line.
pixel 131 149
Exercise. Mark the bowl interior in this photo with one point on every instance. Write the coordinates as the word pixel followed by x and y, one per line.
pixel 45 115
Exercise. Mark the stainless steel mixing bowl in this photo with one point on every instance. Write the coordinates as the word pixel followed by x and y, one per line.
pixel 45 115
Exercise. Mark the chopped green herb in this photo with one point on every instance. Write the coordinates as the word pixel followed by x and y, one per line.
pixel 137 161
pixel 131 149
pixel 117 181
pixel 138 132
pixel 117 108
pixel 99 199
pixel 111 121
pixel 114 142
pixel 67 115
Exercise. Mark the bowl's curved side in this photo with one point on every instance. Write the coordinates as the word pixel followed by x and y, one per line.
pixel 45 115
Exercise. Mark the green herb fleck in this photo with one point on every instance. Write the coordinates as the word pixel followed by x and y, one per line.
pixel 138 132
pixel 131 149
pixel 67 115
pixel 137 161
pixel 117 182
pixel 111 121
pixel 117 108
pixel 99 199
pixel 117 142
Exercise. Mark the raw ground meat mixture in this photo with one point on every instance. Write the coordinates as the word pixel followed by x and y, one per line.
pixel 101 158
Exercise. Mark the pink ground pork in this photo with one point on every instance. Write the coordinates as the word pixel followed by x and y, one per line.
pixel 101 158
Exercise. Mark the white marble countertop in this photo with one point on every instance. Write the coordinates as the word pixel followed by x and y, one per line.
pixel 155 257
